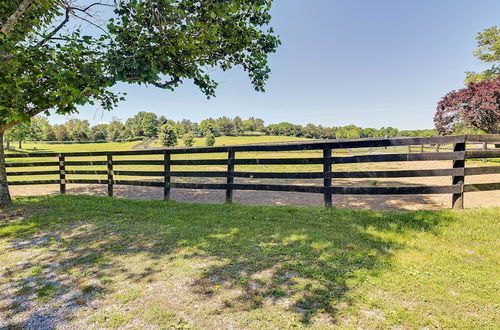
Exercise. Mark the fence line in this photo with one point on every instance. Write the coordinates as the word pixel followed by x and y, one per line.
pixel 458 155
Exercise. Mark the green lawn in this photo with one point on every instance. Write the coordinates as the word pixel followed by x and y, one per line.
pixel 235 140
pixel 110 263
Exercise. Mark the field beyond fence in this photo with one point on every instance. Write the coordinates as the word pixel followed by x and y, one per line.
pixel 298 160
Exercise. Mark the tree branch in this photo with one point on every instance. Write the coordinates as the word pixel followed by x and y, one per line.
pixel 59 27
pixel 12 20
pixel 168 83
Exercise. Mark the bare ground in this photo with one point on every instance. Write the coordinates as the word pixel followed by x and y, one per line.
pixel 375 202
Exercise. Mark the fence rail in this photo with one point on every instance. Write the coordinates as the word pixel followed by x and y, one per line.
pixel 458 154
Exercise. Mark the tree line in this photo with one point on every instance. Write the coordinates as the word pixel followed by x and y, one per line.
pixel 149 125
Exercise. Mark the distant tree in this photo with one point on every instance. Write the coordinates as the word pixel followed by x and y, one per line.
pixel 248 126
pixel 98 132
pixel 477 106
pixel 211 125
pixel 143 124
pixel 78 129
pixel 225 125
pixel 61 133
pixel 188 140
pixel 237 128
pixel 115 129
pixel 126 133
pixel 259 124
pixel 488 51
pixel 19 133
pixel 168 136
pixel 150 124
pixel 45 129
pixel 209 139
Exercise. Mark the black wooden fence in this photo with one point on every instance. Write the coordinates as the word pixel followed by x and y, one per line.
pixel 458 154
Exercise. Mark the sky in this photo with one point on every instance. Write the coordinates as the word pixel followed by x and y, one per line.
pixel 363 62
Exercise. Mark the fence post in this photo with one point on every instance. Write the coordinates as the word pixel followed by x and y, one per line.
pixel 110 175
pixel 166 175
pixel 457 200
pixel 62 175
pixel 230 176
pixel 327 178
pixel 421 148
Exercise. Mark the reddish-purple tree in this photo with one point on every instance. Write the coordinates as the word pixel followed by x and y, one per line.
pixel 477 106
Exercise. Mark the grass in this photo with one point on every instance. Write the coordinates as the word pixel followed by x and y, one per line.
pixel 175 265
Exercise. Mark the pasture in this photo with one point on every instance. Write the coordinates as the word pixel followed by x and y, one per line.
pixel 81 261
pixel 395 202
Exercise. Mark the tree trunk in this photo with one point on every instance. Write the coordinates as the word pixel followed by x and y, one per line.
pixel 20 144
pixel 5 199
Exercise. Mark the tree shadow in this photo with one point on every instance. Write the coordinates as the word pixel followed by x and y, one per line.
pixel 303 260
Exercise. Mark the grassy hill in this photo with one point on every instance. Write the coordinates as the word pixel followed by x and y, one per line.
pixel 88 261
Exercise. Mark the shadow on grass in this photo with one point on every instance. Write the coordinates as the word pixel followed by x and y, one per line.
pixel 303 259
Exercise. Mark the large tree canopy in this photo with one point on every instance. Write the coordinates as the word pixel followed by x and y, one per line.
pixel 46 67
pixel 476 106
pixel 58 54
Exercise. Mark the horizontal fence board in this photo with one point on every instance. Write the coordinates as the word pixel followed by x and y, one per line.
pixel 139 173
pixel 81 172
pixel 137 162
pixel 482 170
pixel 86 181
pixel 483 138
pixel 399 157
pixel 395 190
pixel 278 175
pixel 280 161
pixel 481 187
pixel 32 173
pixel 36 182
pixel 36 164
pixel 482 154
pixel 85 163
pixel 192 174
pixel 139 183
pixel 398 174
pixel 199 162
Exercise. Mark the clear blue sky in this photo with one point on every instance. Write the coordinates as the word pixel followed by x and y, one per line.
pixel 364 62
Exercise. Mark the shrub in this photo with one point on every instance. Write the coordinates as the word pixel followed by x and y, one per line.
pixel 188 140
pixel 210 139
pixel 168 137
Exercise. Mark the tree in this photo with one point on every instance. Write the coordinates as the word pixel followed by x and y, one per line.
pixel 61 133
pixel 248 126
pixel 488 51
pixel 78 129
pixel 167 136
pixel 211 125
pixel 209 139
pixel 237 127
pixel 114 129
pixel 476 106
pixel 19 133
pixel 47 67
pixel 98 132
pixel 188 140
pixel 149 124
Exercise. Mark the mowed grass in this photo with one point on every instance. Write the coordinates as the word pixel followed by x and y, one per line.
pixel 111 263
